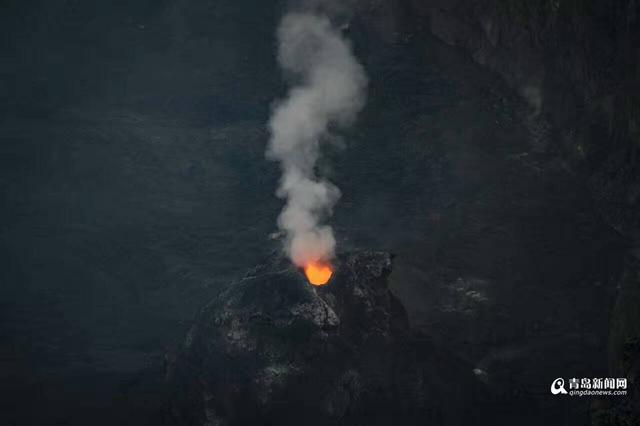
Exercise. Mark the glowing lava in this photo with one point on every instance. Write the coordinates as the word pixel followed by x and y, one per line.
pixel 318 273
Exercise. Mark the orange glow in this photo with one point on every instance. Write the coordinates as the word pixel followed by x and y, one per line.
pixel 318 273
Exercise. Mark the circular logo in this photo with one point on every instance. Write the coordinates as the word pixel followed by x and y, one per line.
pixel 557 387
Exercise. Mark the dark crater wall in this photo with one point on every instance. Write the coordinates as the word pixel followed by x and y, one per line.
pixel 577 65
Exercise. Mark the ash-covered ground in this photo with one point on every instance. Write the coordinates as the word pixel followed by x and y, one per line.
pixel 134 189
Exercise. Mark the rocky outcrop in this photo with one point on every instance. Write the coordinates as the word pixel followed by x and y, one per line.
pixel 272 349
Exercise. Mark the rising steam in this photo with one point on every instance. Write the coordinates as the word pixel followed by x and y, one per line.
pixel 329 90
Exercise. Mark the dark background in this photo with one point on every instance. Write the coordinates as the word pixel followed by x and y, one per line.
pixel 134 186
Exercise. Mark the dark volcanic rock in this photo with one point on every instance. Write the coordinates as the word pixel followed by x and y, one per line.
pixel 272 349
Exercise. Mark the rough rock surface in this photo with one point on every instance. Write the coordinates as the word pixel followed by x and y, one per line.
pixel 577 65
pixel 272 349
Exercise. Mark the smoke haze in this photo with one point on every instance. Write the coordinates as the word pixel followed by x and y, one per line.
pixel 329 90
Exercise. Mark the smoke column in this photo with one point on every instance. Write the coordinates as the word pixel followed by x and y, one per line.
pixel 328 90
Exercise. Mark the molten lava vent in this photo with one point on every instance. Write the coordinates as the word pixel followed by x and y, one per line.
pixel 318 273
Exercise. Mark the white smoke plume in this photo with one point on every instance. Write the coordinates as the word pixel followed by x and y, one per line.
pixel 328 91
